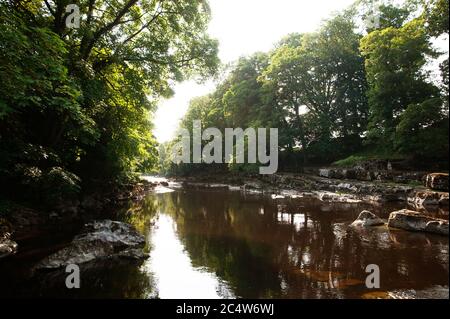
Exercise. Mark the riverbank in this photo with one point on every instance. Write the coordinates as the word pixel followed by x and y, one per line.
pixel 248 244
pixel 25 224
pixel 343 190
pixel 284 210
pixel 418 191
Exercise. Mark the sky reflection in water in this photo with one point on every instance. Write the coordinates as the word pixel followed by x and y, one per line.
pixel 171 265
pixel 221 245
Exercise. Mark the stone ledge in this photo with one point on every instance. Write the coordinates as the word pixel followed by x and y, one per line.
pixel 414 221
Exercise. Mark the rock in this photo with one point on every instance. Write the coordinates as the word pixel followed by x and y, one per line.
pixel 363 175
pixel 437 181
pixel 133 254
pixel 335 173
pixel 165 184
pixel 233 188
pixel 25 218
pixel 411 220
pixel 347 187
pixel 98 240
pixel 444 200
pixel 7 247
pixel 327 173
pixel 5 228
pixel 91 203
pixel 437 292
pixel 429 198
pixel 253 185
pixel 349 173
pixel 336 198
pixel 367 219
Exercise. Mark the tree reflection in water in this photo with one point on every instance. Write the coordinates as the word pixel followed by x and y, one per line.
pixel 254 247
pixel 206 244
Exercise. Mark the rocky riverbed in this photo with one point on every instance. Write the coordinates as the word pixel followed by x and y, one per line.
pixel 326 189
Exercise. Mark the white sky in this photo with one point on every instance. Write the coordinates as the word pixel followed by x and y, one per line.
pixel 242 28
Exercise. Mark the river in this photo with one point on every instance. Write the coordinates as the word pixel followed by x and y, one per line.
pixel 222 244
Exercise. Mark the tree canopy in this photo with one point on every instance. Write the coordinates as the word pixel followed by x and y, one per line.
pixel 344 89
pixel 78 102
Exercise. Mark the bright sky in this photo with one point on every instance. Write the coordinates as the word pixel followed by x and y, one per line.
pixel 244 27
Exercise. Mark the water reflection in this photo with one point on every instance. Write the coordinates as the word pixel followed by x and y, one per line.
pixel 221 244
pixel 171 265
pixel 206 244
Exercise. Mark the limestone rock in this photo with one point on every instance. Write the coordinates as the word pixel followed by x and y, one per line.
pixel 367 219
pixel 327 173
pixel 98 240
pixel 437 181
pixel 414 221
pixel 429 198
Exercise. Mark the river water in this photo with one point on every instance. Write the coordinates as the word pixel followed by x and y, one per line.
pixel 219 244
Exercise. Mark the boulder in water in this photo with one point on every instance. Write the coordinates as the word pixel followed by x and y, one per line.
pixel 414 221
pixel 98 240
pixel 367 219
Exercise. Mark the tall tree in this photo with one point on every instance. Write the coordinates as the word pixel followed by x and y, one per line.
pixel 321 83
pixel 436 16
pixel 394 64
pixel 87 94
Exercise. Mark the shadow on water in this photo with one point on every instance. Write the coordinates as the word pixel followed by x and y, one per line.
pixel 207 244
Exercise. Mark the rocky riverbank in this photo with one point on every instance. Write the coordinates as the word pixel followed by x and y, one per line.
pixel 358 185
pixel 327 185
pixel 21 224
pixel 419 196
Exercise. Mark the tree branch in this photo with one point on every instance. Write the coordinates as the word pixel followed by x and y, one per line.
pixel 88 44
pixel 49 7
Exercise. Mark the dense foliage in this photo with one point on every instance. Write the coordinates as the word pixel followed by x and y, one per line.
pixel 350 88
pixel 76 103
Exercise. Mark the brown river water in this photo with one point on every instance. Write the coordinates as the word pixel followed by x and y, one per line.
pixel 219 244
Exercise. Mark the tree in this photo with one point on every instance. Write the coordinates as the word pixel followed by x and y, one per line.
pixel 423 130
pixel 436 16
pixel 375 15
pixel 87 95
pixel 394 64
pixel 335 92
pixel 324 78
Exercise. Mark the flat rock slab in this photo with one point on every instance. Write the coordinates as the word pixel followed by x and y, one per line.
pixel 414 221
pixel 98 240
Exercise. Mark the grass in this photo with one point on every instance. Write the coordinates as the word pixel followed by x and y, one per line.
pixel 415 183
pixel 350 161
pixel 368 155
